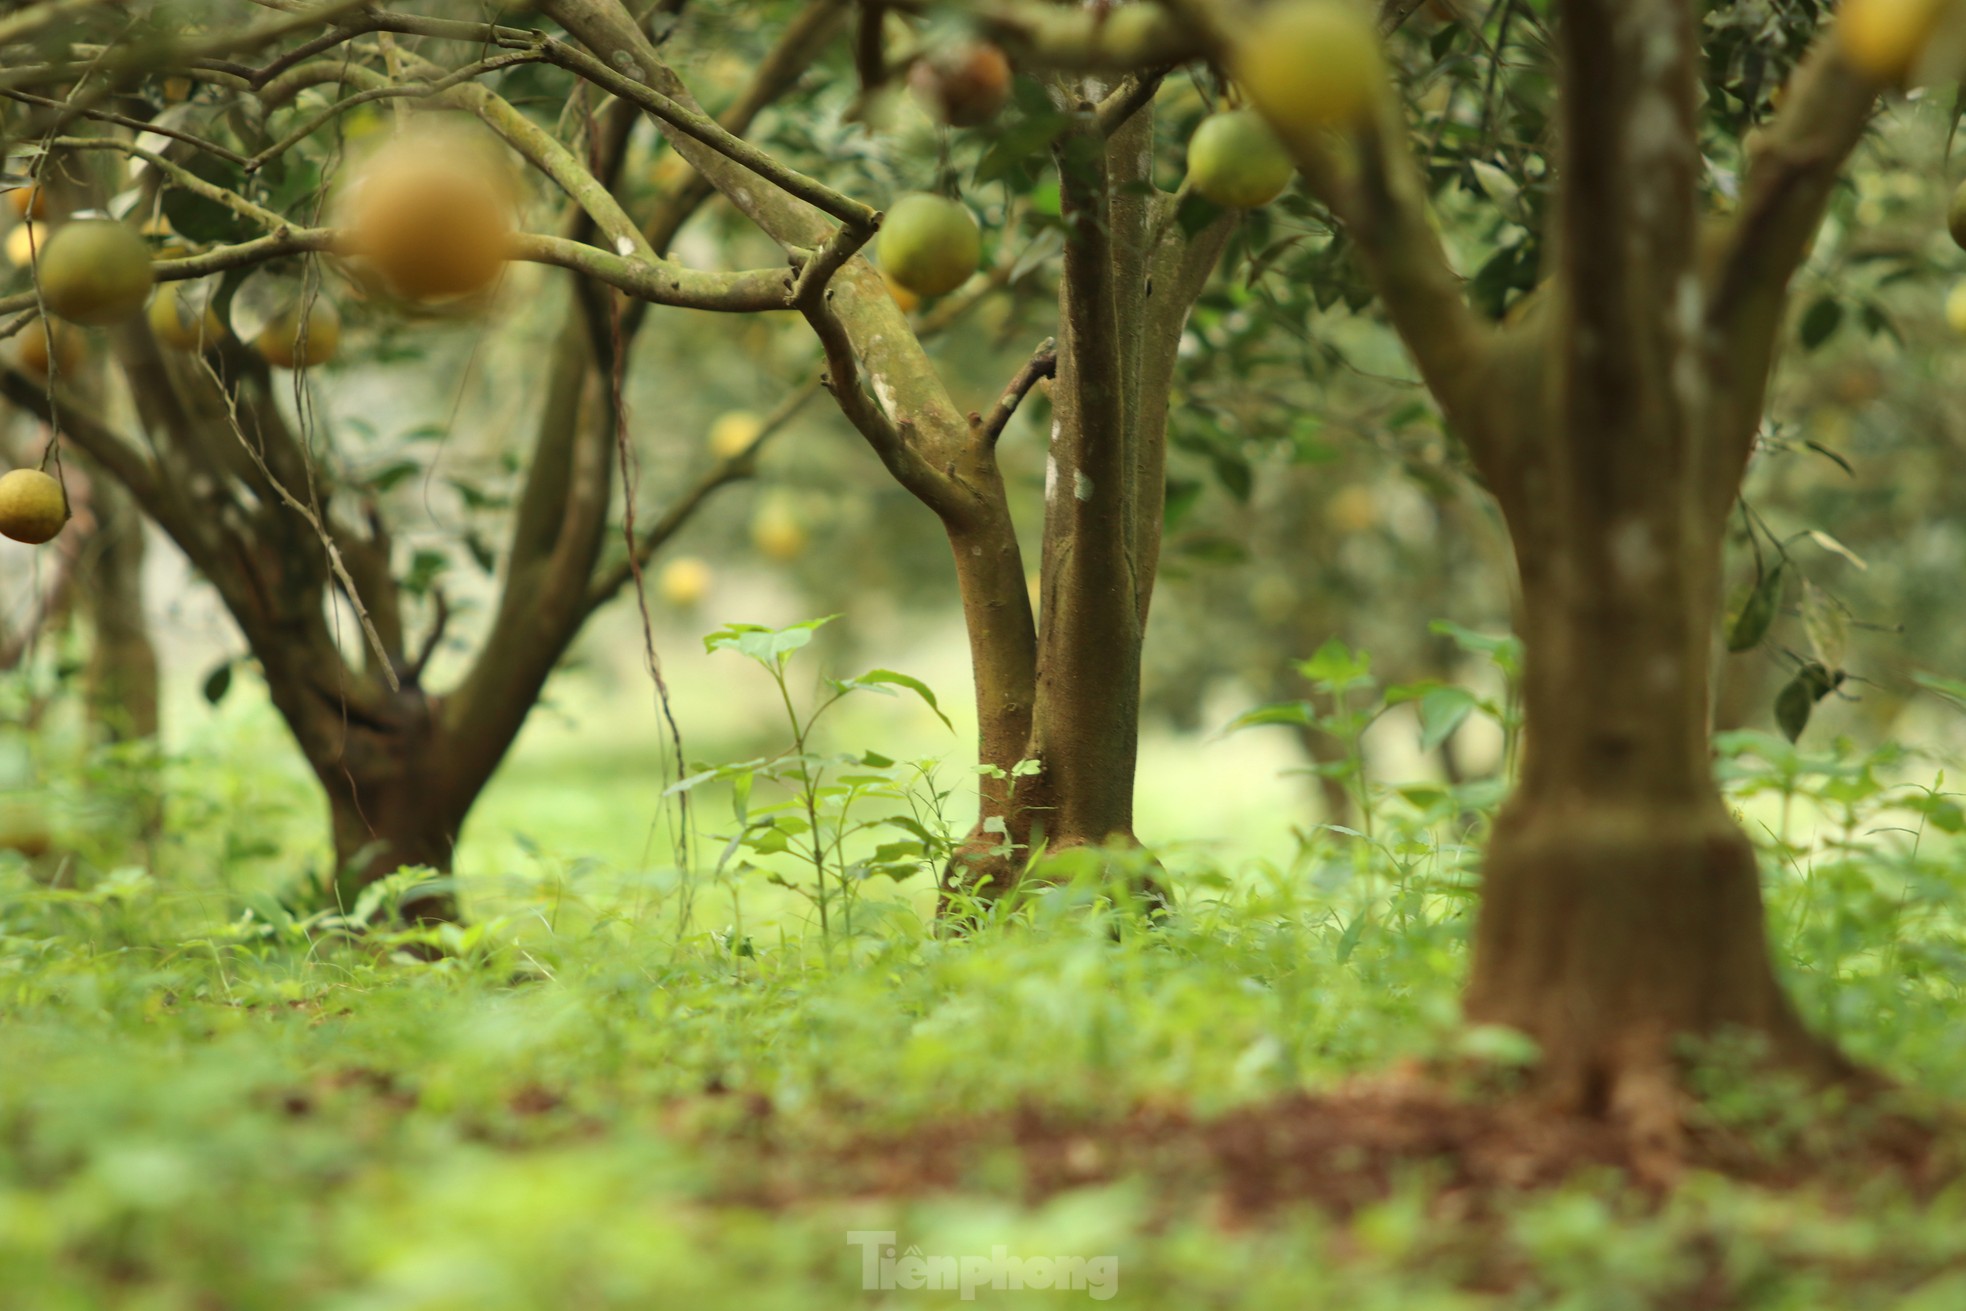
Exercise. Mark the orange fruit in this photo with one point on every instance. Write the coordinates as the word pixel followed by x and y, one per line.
pixel 95 272
pixel 433 215
pixel 929 244
pixel 282 344
pixel 41 340
pixel 964 84
pixel 33 506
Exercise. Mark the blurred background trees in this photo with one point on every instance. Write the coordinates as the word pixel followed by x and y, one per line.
pixel 1297 421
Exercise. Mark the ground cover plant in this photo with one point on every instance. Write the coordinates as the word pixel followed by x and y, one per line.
pixel 1546 413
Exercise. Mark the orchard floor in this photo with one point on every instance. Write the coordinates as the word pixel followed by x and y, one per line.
pixel 1259 1104
pixel 600 1100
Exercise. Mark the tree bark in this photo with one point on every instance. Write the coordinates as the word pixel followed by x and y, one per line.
pixel 398 812
pixel 122 670
pixel 1003 664
pixel 1621 904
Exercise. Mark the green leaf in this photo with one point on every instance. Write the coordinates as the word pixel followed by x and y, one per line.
pixel 393 474
pixel 770 647
pixel 1793 706
pixel 197 219
pixel 1826 623
pixel 1287 712
pixel 426 567
pixel 1798 697
pixel 1336 667
pixel 1195 213
pixel 1019 143
pixel 1441 712
pixel 877 677
pixel 1834 547
pixel 1235 475
pixel 1819 324
pixel 1946 689
pixel 1758 613
pixel 1504 652
pixel 218 683
pixel 1182 493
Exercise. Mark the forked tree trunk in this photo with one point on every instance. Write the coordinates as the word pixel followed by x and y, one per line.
pixel 1621 903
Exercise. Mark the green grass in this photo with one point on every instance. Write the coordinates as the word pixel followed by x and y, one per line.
pixel 202 1111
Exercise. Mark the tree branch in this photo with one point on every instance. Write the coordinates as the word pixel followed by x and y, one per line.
pixel 1791 177
pixel 662 282
pixel 1042 364
pixel 700 127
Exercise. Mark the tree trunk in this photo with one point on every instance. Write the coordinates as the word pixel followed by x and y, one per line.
pixel 122 669
pixel 1621 904
pixel 1003 662
pixel 391 805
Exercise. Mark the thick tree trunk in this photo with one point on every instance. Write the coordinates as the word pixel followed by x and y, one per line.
pixel 1085 729
pixel 1621 904
pixel 391 805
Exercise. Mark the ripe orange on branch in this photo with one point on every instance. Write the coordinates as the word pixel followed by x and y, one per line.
pixel 964 84
pixel 284 345
pixel 1311 65
pixel 33 506
pixel 1885 39
pixel 46 341
pixel 29 202
pixel 432 214
pixel 176 320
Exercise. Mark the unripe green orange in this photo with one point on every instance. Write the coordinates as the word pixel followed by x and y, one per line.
pixel 929 244
pixel 1234 159
pixel 33 506
pixel 176 322
pixel 280 342
pixel 1311 65
pixel 95 271
pixel 1956 216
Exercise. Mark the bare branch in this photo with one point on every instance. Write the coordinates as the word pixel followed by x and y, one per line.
pixel 661 282
pixel 105 445
pixel 413 675
pixel 803 40
pixel 384 658
pixel 124 120
pixel 1042 364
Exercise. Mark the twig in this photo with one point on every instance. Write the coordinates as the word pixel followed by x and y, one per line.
pixel 1042 364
